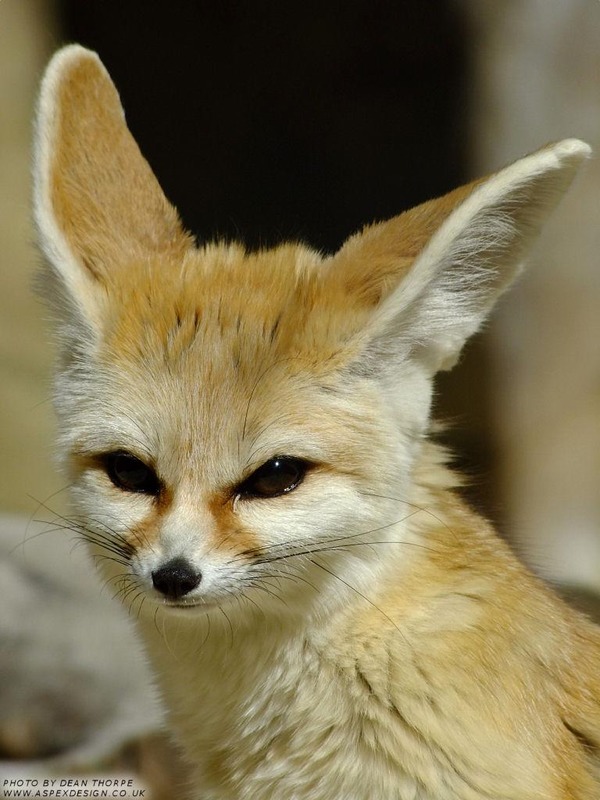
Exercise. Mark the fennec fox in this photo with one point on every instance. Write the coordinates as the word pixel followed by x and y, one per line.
pixel 247 440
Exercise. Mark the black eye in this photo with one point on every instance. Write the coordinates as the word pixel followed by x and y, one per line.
pixel 130 474
pixel 278 476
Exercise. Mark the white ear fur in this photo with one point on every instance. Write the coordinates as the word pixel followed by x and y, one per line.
pixel 471 259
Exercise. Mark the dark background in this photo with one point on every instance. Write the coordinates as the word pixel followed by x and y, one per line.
pixel 271 120
pixel 302 120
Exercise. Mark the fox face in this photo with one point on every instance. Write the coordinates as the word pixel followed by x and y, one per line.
pixel 223 427
pixel 241 428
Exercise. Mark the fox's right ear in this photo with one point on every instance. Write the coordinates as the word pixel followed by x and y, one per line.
pixel 97 205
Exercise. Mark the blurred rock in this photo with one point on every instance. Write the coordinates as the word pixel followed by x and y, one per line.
pixel 73 682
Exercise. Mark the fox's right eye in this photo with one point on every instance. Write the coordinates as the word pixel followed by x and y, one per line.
pixel 279 475
pixel 129 473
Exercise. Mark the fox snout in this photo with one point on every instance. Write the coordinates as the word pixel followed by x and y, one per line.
pixel 176 578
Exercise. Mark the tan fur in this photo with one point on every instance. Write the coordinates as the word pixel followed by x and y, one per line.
pixel 364 635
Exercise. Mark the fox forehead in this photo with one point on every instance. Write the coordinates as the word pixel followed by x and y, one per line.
pixel 253 308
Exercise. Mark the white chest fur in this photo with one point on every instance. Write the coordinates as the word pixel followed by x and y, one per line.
pixel 263 714
pixel 267 713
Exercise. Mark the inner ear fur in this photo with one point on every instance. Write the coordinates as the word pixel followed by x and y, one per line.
pixel 432 274
pixel 97 203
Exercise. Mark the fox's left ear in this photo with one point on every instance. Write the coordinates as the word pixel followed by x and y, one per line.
pixel 432 274
pixel 97 204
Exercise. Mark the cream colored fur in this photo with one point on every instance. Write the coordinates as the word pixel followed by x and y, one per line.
pixel 363 636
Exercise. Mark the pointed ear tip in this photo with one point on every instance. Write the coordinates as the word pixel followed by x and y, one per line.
pixel 571 151
pixel 64 61
pixel 72 54
pixel 67 60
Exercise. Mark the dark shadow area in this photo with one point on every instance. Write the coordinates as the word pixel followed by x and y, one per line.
pixel 268 121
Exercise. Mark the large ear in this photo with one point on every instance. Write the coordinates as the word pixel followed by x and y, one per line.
pixel 432 274
pixel 97 204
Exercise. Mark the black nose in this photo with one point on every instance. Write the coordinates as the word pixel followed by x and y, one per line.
pixel 176 578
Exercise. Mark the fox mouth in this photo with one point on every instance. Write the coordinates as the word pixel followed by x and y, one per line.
pixel 187 605
pixel 184 604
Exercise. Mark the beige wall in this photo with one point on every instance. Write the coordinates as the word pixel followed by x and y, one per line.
pixel 26 38
pixel 537 79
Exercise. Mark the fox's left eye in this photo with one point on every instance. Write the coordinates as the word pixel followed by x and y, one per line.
pixel 129 473
pixel 277 476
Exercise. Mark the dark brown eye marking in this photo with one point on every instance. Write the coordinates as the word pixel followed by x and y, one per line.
pixel 275 477
pixel 130 474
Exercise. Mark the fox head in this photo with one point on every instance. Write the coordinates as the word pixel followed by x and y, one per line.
pixel 241 426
